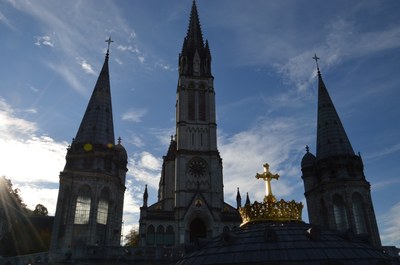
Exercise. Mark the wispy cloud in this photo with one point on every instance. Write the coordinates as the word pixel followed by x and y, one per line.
pixel 136 140
pixel 384 183
pixel 391 223
pixel 6 21
pixel 72 39
pixel 384 152
pixel 44 40
pixel 134 50
pixel 343 41
pixel 134 115
pixel 28 159
pixel 86 67
pixel 12 126
pixel 278 142
pixel 145 167
pixel 129 48
pixel 30 110
pixel 69 76
pixel 164 66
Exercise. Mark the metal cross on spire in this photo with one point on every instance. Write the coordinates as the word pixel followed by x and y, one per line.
pixel 109 40
pixel 316 60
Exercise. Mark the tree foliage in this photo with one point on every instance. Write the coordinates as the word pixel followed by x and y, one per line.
pixel 22 231
pixel 132 238
pixel 40 210
pixel 10 195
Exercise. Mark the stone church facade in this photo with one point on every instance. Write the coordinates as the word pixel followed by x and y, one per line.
pixel 190 202
pixel 190 206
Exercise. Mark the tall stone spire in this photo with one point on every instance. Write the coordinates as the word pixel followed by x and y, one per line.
pixel 97 124
pixel 331 136
pixel 194 34
pixel 92 184
pixel 195 58
pixel 337 193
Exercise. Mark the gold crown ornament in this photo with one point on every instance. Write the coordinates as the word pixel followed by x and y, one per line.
pixel 270 209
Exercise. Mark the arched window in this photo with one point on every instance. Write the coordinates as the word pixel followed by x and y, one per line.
pixel 150 235
pixel 358 213
pixel 102 207
pixel 82 206
pixel 339 211
pixel 160 235
pixel 170 236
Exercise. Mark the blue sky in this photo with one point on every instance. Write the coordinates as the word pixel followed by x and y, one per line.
pixel 265 82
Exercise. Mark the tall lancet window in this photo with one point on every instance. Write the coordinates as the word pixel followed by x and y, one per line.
pixel 358 213
pixel 202 104
pixel 191 103
pixel 339 211
pixel 82 207
pixel 102 207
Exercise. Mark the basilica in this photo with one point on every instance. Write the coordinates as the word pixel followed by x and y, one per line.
pixel 190 223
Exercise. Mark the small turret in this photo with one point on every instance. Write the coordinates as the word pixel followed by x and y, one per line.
pixel 308 158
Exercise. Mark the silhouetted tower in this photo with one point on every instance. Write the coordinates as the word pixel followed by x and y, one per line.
pixel 92 184
pixel 190 196
pixel 337 193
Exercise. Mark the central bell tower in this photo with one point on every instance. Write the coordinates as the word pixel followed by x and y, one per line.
pixel 190 196
pixel 198 162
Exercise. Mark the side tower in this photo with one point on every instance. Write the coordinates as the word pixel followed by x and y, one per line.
pixel 92 184
pixel 190 197
pixel 337 193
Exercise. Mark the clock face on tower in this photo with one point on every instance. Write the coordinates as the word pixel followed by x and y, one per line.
pixel 197 168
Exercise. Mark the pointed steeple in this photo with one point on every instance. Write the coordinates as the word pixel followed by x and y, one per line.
pixel 247 199
pixel 195 58
pixel 331 137
pixel 194 35
pixel 238 199
pixel 145 197
pixel 97 124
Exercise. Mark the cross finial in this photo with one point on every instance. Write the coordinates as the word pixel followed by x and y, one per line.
pixel 267 176
pixel 307 149
pixel 109 40
pixel 316 58
pixel 119 140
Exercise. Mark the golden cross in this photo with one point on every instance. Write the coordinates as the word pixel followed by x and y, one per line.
pixel 267 176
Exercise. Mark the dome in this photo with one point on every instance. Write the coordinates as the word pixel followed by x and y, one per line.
pixel 272 233
pixel 121 150
pixel 308 160
pixel 286 243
